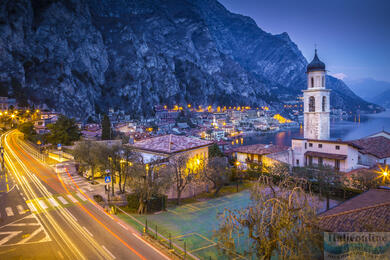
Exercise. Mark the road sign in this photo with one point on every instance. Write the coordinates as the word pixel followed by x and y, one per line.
pixel 107 179
pixel 59 146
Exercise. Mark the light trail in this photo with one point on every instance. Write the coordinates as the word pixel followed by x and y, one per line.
pixel 98 221
pixel 64 214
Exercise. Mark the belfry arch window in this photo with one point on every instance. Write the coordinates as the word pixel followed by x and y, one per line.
pixel 323 81
pixel 312 104
pixel 323 103
pixel 312 82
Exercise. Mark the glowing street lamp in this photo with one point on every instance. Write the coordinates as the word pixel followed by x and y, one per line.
pixel 384 173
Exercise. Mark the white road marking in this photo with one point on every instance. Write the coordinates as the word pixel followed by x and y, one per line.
pixel 53 202
pixel 122 225
pixel 63 201
pixel 72 198
pixel 9 212
pixel 136 235
pixel 108 252
pixel 86 230
pixel 11 188
pixel 42 204
pixel 81 196
pixel 70 214
pixel 23 224
pixel 20 209
pixel 31 206
pixel 10 235
pixel 33 234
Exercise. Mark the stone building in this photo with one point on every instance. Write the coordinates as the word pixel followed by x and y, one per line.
pixel 316 102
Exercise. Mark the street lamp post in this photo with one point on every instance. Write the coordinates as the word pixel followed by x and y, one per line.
pixel 236 164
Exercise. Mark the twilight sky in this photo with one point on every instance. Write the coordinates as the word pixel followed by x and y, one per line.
pixel 352 36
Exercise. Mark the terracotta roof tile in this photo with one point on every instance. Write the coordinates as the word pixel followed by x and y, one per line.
pixel 170 144
pixel 369 211
pixel 378 146
pixel 261 149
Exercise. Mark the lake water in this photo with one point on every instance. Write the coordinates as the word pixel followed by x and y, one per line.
pixel 339 129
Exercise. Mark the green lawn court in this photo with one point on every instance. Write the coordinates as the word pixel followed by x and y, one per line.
pixel 194 223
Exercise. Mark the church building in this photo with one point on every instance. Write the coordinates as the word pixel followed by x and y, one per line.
pixel 316 148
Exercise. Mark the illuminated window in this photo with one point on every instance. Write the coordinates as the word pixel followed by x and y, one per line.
pixel 323 103
pixel 312 104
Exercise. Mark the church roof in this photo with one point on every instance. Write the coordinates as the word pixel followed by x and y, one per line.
pixel 315 64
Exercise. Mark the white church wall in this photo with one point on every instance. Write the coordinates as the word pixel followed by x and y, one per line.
pixel 298 147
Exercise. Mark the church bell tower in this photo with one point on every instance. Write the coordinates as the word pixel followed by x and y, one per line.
pixel 316 102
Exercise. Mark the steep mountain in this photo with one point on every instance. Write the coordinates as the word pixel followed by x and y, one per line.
pixel 82 57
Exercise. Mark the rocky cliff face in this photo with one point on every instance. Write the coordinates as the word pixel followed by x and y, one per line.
pixel 81 57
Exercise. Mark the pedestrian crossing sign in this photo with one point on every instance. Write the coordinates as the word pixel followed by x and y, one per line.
pixel 107 179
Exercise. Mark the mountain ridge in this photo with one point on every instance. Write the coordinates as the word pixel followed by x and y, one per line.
pixel 82 57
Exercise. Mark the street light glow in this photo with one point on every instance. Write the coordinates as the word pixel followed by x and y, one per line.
pixel 383 173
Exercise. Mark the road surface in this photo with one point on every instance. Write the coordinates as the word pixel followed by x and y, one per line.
pixel 41 216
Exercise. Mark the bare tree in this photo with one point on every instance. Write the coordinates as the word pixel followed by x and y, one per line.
pixel 325 178
pixel 129 157
pixel 281 221
pixel 147 180
pixel 364 179
pixel 184 171
pixel 216 171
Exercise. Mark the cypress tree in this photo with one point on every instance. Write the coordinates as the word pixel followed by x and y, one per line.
pixel 106 128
